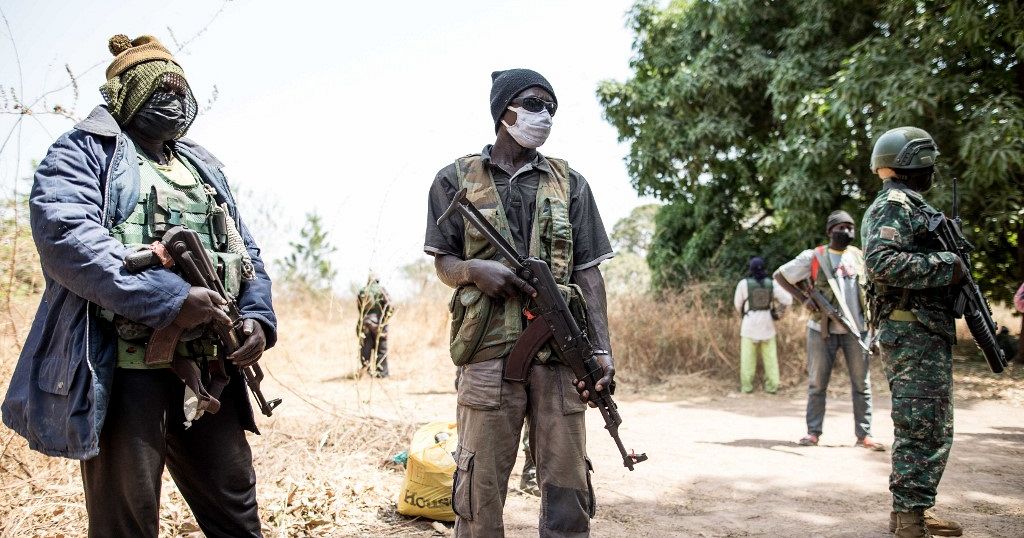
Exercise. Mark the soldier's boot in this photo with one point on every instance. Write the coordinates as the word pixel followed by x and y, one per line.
pixel 909 525
pixel 936 525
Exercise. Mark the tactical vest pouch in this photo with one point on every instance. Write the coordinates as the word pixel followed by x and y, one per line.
pixel 759 295
pixel 229 269
pixel 471 313
pixel 484 250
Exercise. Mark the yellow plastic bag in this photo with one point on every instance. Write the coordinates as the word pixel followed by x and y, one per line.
pixel 427 489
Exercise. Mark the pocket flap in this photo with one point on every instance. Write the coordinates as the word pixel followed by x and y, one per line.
pixel 55 374
pixel 463 458
pixel 470 295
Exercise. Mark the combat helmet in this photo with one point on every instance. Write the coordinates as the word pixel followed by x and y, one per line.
pixel 903 149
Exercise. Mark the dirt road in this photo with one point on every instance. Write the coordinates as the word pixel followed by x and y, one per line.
pixel 726 464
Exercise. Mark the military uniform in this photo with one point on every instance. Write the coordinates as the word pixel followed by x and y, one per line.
pixel 911 274
pixel 545 209
pixel 374 314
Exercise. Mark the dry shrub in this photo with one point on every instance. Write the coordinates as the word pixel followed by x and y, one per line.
pixel 690 331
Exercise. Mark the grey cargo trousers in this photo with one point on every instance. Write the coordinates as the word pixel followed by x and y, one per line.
pixel 490 418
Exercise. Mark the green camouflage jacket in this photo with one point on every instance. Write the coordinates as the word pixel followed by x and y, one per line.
pixel 907 267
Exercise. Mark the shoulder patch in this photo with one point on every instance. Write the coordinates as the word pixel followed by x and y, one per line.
pixel 897 196
pixel 888 233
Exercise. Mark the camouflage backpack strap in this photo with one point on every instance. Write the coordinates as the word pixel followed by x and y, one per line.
pixel 551 238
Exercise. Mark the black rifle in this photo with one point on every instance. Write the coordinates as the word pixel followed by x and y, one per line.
pixel 186 253
pixel 551 321
pixel 832 312
pixel 969 304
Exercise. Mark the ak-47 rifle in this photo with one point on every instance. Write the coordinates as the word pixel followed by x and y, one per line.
pixel 970 303
pixel 550 321
pixel 834 313
pixel 182 249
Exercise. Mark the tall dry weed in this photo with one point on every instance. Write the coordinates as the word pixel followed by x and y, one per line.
pixel 690 331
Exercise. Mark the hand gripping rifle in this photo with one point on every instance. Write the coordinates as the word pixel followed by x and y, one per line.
pixel 834 313
pixel 969 304
pixel 550 321
pixel 181 248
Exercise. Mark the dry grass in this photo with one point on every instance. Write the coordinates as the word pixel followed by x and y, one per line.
pixel 656 336
pixel 322 460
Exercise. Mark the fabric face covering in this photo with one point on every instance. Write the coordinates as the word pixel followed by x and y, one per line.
pixel 162 117
pixel 531 129
pixel 842 238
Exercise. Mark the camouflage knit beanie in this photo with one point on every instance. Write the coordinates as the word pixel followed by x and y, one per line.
pixel 139 67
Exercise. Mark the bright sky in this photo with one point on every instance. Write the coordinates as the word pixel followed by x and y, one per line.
pixel 344 108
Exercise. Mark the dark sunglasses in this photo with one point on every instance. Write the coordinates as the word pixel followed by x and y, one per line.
pixel 536 104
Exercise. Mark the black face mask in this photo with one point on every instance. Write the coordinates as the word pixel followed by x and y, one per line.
pixel 842 239
pixel 162 117
pixel 920 182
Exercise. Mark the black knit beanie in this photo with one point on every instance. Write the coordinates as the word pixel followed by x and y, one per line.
pixel 506 85
pixel 837 217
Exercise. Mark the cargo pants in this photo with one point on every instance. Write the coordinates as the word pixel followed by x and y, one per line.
pixel 919 368
pixel 490 418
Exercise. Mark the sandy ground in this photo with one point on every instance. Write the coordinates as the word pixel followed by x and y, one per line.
pixel 721 463
pixel 726 464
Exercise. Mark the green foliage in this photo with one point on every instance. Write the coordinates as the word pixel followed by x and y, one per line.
pixel 633 234
pixel 753 120
pixel 308 267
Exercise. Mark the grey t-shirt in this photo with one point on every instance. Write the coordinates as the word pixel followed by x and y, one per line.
pixel 847 277
pixel 519 197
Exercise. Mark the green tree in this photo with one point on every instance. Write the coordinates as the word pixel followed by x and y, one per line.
pixel 754 119
pixel 631 238
pixel 633 234
pixel 308 267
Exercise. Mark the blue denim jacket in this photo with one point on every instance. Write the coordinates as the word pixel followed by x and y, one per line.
pixel 88 183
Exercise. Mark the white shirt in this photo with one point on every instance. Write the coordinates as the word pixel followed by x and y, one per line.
pixel 758 325
pixel 848 276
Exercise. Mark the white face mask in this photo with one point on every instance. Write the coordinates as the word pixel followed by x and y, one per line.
pixel 531 129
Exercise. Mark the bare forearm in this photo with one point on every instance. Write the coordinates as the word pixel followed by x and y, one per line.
pixel 786 285
pixel 451 270
pixel 591 284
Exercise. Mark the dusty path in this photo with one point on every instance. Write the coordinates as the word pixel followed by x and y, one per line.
pixel 730 467
pixel 725 464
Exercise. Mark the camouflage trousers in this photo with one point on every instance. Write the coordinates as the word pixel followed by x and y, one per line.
pixel 919 367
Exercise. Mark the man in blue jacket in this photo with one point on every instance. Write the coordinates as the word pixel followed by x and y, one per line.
pixel 82 388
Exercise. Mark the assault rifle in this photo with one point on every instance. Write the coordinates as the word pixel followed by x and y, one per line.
pixel 550 321
pixel 969 304
pixel 835 314
pixel 181 248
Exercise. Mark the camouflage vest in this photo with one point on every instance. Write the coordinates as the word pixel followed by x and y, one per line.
pixel 163 204
pixel 483 328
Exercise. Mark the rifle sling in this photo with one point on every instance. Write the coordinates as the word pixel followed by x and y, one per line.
pixel 826 265
pixel 161 345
